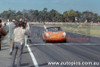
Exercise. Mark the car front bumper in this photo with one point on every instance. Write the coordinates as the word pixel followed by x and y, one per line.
pixel 60 39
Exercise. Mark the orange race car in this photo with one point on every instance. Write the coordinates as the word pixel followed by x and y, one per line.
pixel 54 34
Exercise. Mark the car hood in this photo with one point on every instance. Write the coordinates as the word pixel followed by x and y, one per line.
pixel 55 33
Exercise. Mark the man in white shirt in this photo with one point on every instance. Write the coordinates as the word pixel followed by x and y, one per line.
pixel 19 34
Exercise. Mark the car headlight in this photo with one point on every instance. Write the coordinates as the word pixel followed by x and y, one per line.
pixel 47 34
pixel 64 34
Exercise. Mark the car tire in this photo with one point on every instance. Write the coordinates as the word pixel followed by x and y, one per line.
pixel 65 41
pixel 45 41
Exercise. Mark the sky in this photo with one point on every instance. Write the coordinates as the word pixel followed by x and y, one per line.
pixel 59 5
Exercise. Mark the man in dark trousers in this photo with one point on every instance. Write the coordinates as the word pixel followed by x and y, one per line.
pixel 19 34
pixel 2 32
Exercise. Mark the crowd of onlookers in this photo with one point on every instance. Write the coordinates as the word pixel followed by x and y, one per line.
pixel 16 33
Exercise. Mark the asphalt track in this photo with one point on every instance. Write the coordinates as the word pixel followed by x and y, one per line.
pixel 75 50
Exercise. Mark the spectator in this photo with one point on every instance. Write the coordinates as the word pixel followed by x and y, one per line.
pixel 27 36
pixel 19 34
pixel 25 25
pixel 11 29
pixel 21 20
pixel 2 32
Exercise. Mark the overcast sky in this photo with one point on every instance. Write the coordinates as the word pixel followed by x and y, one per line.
pixel 59 5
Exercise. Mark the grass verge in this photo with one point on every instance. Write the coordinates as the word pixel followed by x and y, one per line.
pixel 93 30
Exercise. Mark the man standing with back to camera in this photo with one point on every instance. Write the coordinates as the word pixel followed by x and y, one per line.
pixel 19 34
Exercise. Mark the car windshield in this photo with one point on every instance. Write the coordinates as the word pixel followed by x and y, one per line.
pixel 54 29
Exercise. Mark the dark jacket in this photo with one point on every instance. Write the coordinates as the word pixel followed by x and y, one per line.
pixel 2 32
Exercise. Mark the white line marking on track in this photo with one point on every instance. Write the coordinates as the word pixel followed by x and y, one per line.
pixel 32 56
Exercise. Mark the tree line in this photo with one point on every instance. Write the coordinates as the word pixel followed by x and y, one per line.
pixel 51 16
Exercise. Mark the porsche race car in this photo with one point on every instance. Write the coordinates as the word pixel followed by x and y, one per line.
pixel 54 34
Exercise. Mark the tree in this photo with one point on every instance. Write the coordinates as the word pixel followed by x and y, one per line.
pixel 65 17
pixel 51 16
pixel 54 16
pixel 89 16
pixel 45 14
pixel 35 15
pixel 98 19
pixel 10 14
pixel 71 15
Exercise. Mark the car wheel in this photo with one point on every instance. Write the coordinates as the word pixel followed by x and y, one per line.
pixel 45 41
pixel 64 41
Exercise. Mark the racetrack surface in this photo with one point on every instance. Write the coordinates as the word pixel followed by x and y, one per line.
pixel 75 50
pixel 72 51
